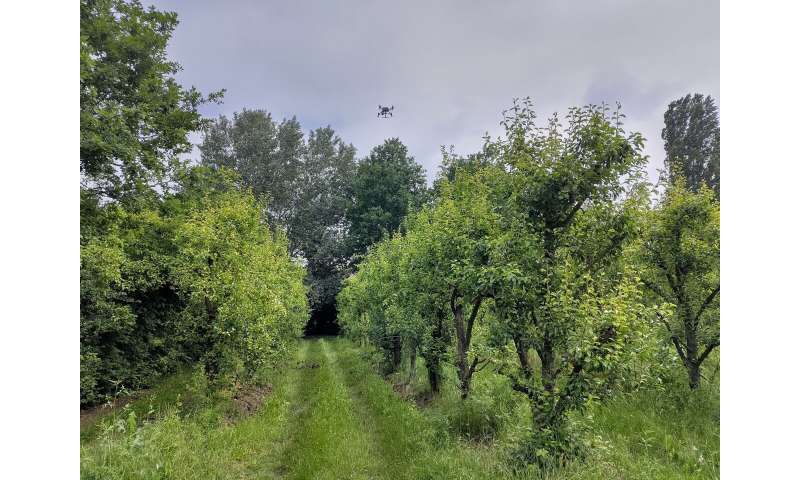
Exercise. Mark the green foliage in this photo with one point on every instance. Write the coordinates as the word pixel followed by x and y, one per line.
pixel 367 307
pixel 387 185
pixel 306 185
pixel 525 253
pixel 519 285
pixel 680 266
pixel 574 308
pixel 425 287
pixel 267 155
pixel 199 276
pixel 134 115
pixel 320 224
pixel 453 163
pixel 692 141
pixel 127 306
pixel 237 276
pixel 177 264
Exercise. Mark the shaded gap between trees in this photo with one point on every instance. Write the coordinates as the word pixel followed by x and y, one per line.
pixel 323 321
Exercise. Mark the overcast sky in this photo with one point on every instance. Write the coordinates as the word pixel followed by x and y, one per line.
pixel 448 67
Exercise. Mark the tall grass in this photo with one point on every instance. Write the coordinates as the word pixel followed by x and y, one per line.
pixel 331 416
pixel 187 435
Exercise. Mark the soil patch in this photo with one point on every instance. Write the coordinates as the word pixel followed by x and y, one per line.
pixel 90 415
pixel 423 399
pixel 249 399
pixel 307 365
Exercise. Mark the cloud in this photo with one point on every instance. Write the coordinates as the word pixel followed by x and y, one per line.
pixel 448 67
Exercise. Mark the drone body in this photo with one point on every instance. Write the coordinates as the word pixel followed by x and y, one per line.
pixel 385 112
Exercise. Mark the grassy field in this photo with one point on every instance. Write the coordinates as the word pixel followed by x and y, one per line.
pixel 328 415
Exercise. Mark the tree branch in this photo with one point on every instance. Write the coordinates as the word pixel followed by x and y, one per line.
pixel 476 304
pixel 518 387
pixel 522 355
pixel 453 298
pixel 474 364
pixel 674 338
pixel 666 323
pixel 656 289
pixel 482 364
pixel 709 348
pixel 660 264
pixel 678 347
pixel 706 303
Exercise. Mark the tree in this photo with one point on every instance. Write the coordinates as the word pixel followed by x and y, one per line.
pixel 239 281
pixel 268 156
pixel 570 306
pixel 691 137
pixel 199 276
pixel 680 251
pixel 134 116
pixel 462 234
pixel 370 306
pixel 306 184
pixel 423 295
pixel 386 184
pixel 319 226
pixel 432 283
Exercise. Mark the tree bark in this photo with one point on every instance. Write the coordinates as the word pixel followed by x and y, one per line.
pixel 412 367
pixel 694 376
pixel 433 354
pixel 464 337
pixel 396 353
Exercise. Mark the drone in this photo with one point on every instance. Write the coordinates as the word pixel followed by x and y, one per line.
pixel 385 112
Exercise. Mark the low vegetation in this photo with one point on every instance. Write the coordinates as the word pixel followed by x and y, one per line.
pixel 330 414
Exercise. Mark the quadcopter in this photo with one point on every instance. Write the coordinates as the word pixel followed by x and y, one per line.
pixel 385 112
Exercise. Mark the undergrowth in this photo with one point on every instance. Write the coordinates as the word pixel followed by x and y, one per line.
pixel 329 415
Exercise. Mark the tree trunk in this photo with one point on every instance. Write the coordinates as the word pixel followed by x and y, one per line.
pixel 433 354
pixel 412 367
pixel 694 376
pixel 396 353
pixel 462 348
pixel 691 362
pixel 434 379
pixel 548 359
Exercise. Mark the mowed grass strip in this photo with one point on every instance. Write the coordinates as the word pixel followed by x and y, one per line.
pixel 328 439
pixel 410 444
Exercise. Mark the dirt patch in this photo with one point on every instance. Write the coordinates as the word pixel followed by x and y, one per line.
pixel 90 415
pixel 248 400
pixel 406 392
pixel 423 399
pixel 302 365
pixel 403 389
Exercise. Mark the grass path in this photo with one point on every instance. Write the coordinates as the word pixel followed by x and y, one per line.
pixel 327 433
